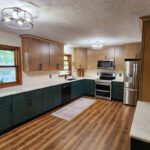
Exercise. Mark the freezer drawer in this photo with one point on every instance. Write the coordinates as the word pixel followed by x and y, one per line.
pixel 130 96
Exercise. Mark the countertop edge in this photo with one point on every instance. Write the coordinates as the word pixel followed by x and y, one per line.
pixel 15 90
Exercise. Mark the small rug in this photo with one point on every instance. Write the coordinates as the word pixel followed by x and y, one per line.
pixel 74 109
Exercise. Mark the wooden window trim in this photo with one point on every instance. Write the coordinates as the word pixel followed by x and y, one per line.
pixel 70 65
pixel 18 65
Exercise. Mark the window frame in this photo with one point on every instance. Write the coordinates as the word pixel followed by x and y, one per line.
pixel 17 65
pixel 70 65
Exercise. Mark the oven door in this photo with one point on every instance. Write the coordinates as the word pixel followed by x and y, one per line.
pixel 103 90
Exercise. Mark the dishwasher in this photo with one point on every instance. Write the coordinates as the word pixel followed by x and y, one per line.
pixel 66 92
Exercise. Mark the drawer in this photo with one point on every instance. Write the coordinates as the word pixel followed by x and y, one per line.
pixel 27 95
pixel 117 83
pixel 47 90
pixel 5 100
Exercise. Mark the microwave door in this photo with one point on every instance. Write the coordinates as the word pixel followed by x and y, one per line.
pixel 106 64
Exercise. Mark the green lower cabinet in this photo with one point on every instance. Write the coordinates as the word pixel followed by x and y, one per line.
pixel 89 87
pixel 5 113
pixel 36 106
pixel 20 111
pixel 76 89
pixel 47 99
pixel 117 91
pixel 26 105
pixel 51 97
pixel 57 96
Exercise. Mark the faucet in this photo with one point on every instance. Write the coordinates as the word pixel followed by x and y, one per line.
pixel 65 76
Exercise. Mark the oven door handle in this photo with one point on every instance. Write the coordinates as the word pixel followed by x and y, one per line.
pixel 101 83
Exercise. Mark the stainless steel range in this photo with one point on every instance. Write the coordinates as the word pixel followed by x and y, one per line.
pixel 103 85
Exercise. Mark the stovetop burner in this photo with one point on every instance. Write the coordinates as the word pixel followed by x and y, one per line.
pixel 107 76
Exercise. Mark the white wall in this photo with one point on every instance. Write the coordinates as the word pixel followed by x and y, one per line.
pixel 10 39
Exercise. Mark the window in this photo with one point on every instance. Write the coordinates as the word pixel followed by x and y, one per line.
pixel 67 65
pixel 10 66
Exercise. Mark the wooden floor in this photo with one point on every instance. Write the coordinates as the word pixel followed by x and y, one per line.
pixel 103 126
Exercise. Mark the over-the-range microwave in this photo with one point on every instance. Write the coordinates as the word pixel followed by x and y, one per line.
pixel 106 64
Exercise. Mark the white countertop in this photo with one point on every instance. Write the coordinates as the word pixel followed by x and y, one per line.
pixel 141 123
pixel 119 80
pixel 24 88
pixel 51 82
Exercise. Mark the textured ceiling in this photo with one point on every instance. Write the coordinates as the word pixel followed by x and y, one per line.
pixel 83 22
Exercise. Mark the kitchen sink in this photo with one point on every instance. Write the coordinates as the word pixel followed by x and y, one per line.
pixel 71 79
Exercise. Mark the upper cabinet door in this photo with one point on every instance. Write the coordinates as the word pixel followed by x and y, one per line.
pixel 80 58
pixel 44 56
pixel 34 53
pixel 60 55
pixel 53 56
pixel 92 58
pixel 83 58
pixel 119 58
pixel 132 51
pixel 107 53
pixel 56 56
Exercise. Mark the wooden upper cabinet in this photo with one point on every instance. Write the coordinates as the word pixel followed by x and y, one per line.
pixel 56 56
pixel 80 58
pixel 60 57
pixel 132 50
pixel 92 58
pixel 32 54
pixel 44 55
pixel 119 58
pixel 41 54
pixel 107 52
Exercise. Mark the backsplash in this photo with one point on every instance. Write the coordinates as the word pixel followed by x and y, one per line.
pixel 39 77
pixel 43 77
pixel 95 73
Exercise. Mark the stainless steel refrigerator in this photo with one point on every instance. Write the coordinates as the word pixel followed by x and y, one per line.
pixel 131 81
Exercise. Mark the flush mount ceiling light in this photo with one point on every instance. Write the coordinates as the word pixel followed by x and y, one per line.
pixel 97 45
pixel 18 18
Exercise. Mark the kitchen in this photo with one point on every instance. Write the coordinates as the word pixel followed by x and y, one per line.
pixel 57 93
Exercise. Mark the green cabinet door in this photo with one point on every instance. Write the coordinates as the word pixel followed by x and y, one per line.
pixel 82 87
pixel 92 87
pixel 51 97
pixel 5 113
pixel 36 106
pixel 89 87
pixel 117 91
pixel 20 110
pixel 47 99
pixel 75 89
pixel 56 97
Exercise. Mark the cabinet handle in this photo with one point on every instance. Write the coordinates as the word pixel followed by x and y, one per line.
pixel 40 66
pixel 57 66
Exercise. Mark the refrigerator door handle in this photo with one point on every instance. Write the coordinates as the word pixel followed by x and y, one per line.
pixel 133 90
pixel 134 74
